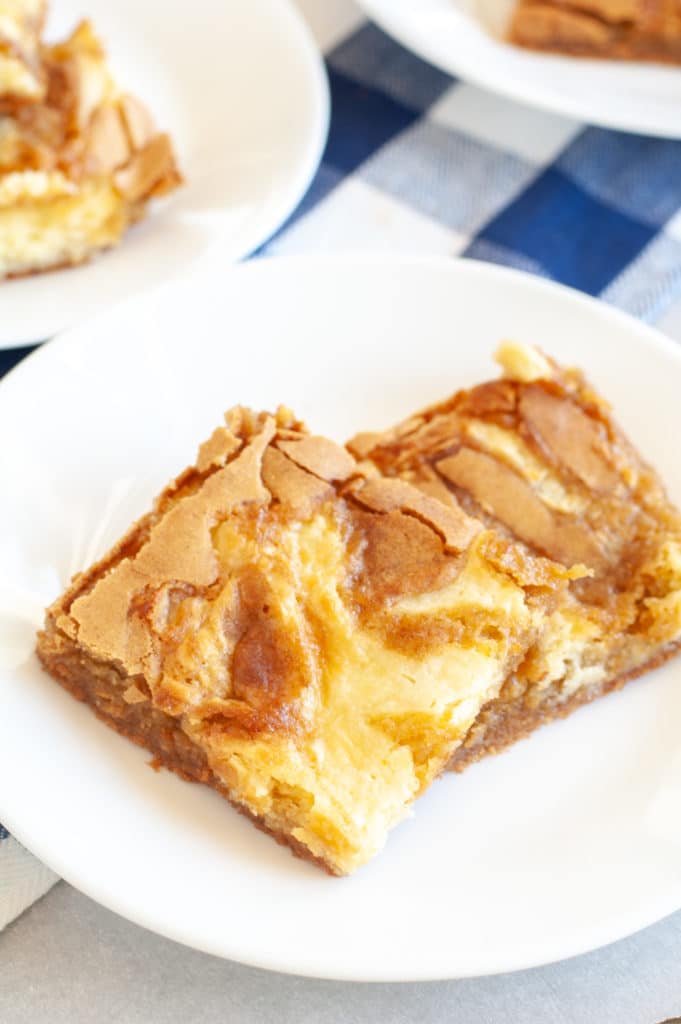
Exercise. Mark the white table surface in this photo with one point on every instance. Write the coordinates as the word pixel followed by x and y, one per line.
pixel 69 961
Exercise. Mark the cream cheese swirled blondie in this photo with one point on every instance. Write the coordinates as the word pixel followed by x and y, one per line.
pixel 313 642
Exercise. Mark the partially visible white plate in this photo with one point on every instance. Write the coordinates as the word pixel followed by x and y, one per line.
pixel 463 37
pixel 568 841
pixel 241 87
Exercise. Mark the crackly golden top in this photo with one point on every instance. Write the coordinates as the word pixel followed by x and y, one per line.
pixel 326 636
pixel 538 454
pixel 644 13
pixel 268 475
pixel 83 127
pixel 609 26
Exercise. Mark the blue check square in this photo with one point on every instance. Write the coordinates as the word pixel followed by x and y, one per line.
pixel 635 174
pixel 645 286
pixel 363 120
pixel 447 175
pixel 574 238
pixel 372 58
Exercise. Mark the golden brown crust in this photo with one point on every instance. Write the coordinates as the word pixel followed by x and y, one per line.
pixel 452 525
pixel 320 457
pixel 296 489
pixel 178 548
pixel 401 556
pixel 506 495
pixel 622 29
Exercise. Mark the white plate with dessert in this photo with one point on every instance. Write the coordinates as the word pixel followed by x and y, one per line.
pixel 467 38
pixel 567 841
pixel 206 126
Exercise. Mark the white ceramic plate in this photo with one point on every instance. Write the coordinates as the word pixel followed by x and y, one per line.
pixel 463 37
pixel 570 840
pixel 241 87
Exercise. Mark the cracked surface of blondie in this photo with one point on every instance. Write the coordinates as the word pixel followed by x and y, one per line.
pixel 312 641
pixel 538 456
pixel 624 29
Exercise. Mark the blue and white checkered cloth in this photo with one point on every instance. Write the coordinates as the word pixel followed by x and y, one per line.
pixel 419 161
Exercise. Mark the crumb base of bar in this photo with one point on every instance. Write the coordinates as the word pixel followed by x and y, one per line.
pixel 505 721
pixel 20 275
pixel 650 53
pixel 553 26
pixel 101 687
pixel 84 257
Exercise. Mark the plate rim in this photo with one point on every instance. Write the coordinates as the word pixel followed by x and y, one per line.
pixel 547 100
pixel 615 930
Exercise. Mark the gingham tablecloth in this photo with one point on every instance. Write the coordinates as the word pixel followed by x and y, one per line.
pixel 419 161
